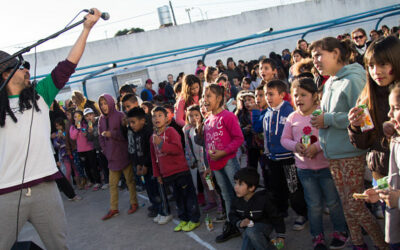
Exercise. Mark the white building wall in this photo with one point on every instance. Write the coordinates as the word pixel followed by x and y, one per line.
pixel 215 30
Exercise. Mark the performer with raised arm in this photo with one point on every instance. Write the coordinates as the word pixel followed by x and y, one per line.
pixel 28 191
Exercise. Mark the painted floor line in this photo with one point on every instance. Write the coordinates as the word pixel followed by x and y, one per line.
pixel 190 234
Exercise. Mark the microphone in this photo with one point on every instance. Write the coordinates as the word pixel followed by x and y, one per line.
pixel 104 15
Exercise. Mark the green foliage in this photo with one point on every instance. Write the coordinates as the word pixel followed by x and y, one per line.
pixel 130 31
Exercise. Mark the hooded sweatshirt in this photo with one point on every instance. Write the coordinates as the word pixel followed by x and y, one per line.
pixel 168 157
pixel 339 96
pixel 80 135
pixel 114 148
pixel 273 124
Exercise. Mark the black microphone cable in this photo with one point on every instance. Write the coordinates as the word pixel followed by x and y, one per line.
pixel 29 143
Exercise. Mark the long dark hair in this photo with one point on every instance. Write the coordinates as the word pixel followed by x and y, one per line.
pixel 27 98
pixel 382 50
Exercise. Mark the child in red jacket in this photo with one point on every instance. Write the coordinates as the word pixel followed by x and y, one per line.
pixel 170 168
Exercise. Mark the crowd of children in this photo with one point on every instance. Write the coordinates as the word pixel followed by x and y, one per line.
pixel 305 127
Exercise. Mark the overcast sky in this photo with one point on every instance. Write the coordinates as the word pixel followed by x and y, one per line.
pixel 25 21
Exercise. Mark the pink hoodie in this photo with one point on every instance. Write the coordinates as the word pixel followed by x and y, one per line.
pixel 222 132
pixel 82 143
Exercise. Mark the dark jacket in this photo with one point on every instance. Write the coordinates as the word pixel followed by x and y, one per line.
pixel 378 154
pixel 259 209
pixel 94 136
pixel 178 129
pixel 169 93
pixel 139 147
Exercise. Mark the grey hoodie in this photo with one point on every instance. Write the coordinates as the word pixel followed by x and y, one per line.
pixel 339 96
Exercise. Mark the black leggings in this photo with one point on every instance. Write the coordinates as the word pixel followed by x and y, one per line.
pixel 278 185
pixel 65 186
pixel 89 160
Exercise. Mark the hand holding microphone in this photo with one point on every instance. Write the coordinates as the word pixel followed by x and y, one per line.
pixel 105 16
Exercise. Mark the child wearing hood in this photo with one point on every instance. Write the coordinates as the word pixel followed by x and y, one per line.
pixel 115 147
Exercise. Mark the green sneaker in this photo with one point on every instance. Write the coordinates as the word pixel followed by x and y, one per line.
pixel 180 226
pixel 190 226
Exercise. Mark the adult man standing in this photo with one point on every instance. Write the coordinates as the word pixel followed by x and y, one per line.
pixel 148 93
pixel 169 89
pixel 27 166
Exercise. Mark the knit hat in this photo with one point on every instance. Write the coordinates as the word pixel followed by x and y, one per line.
pixel 9 64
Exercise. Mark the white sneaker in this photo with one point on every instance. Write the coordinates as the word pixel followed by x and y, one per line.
pixel 299 223
pixel 105 186
pixel 157 218
pixel 165 219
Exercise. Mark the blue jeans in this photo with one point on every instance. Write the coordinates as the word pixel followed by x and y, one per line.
pixel 226 182
pixel 153 192
pixel 318 187
pixel 257 237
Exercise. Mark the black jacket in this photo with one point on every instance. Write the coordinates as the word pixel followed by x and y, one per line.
pixel 139 147
pixel 258 209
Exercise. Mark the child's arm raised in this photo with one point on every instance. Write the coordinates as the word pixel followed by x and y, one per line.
pixel 172 143
pixel 73 133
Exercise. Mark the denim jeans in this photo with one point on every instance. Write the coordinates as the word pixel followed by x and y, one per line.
pixel 318 187
pixel 224 178
pixel 257 237
pixel 153 192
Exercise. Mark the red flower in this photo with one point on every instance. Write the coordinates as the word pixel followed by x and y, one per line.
pixel 307 130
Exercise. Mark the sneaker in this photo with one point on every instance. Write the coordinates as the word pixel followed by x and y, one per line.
pixel 76 198
pixel 190 226
pixel 180 226
pixel 105 186
pixel 96 186
pixel 164 219
pixel 338 240
pixel 88 185
pixel 319 242
pixel 209 207
pixel 228 232
pixel 133 208
pixel 157 218
pixel 110 214
pixel 152 214
pixel 299 223
pixel 221 217
pixel 360 247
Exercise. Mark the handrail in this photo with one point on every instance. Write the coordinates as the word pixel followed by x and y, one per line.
pixel 383 17
pixel 228 43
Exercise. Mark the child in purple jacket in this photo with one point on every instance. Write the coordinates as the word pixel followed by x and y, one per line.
pixel 115 147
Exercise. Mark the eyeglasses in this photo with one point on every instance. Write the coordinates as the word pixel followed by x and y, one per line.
pixel 24 65
pixel 357 37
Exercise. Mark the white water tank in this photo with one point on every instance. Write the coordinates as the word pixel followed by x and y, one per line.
pixel 164 15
